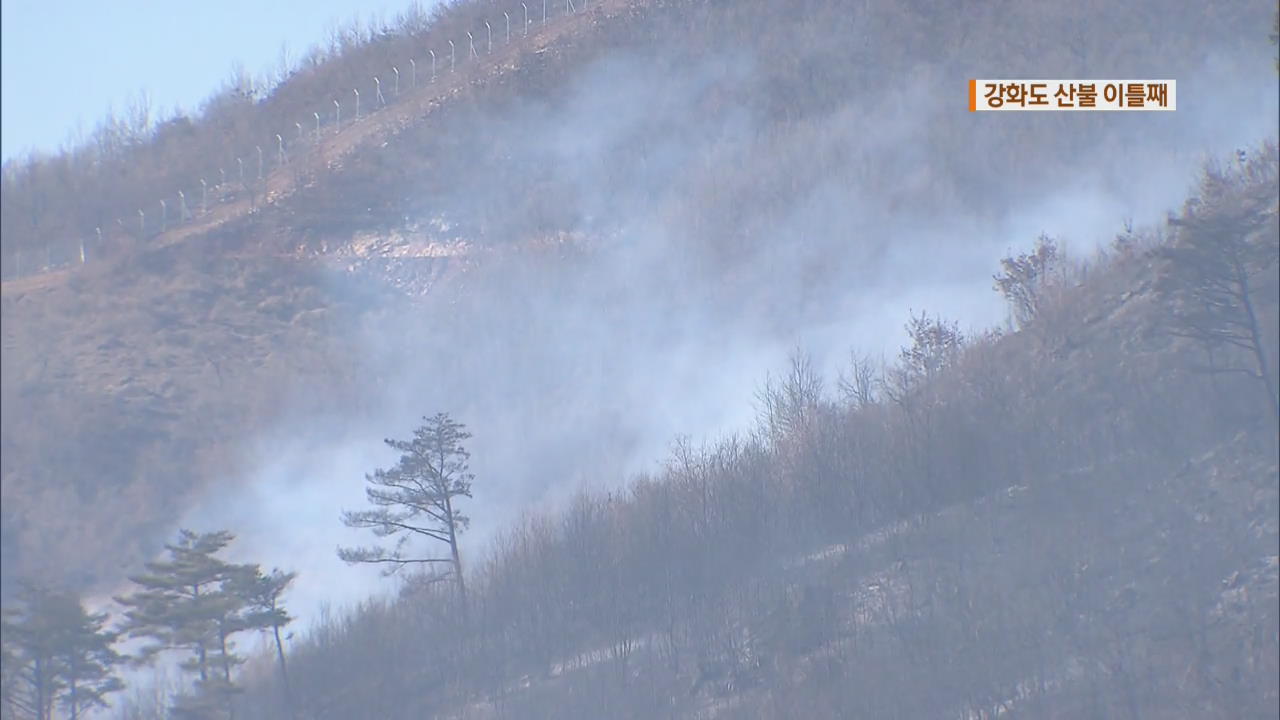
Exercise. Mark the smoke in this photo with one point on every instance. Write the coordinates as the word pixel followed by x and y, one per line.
pixel 708 242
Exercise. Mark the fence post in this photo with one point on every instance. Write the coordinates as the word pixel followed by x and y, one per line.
pixel 526 18
pixel 182 207
pixel 337 116
pixel 317 126
pixel 471 41
pixel 82 250
pixel 142 224
pixel 377 91
pixel 204 197
pixel 299 126
pixel 413 74
pixel 452 57
pixel 488 31
pixel 395 90
pixel 240 164
pixel 544 12
pixel 280 147
pixel 357 92
pixel 507 16
pixel 259 149
pixel 164 217
pixel 569 8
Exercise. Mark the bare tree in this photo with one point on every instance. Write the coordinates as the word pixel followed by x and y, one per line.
pixel 1022 279
pixel 417 497
pixel 935 346
pixel 785 405
pixel 859 387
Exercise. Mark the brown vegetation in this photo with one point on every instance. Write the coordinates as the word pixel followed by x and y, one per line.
pixel 996 517
pixel 1001 537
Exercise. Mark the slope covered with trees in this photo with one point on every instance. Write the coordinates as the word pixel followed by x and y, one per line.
pixel 742 158
pixel 1077 518
pixel 1073 515
pixel 62 661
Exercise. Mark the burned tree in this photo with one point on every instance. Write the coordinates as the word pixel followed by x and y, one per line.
pixel 418 498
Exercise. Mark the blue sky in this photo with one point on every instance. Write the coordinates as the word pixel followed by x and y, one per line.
pixel 62 64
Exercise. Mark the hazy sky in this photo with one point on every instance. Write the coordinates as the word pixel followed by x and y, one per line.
pixel 63 63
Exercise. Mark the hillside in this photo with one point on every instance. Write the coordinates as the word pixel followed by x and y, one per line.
pixel 1066 521
pixel 163 351
pixel 596 240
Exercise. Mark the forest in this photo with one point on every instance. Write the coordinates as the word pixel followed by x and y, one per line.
pixel 1068 513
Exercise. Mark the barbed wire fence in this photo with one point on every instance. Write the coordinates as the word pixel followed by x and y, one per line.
pixel 219 187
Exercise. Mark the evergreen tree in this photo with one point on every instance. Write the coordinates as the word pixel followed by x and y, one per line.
pixel 32 635
pixel 262 594
pixel 1216 266
pixel 188 602
pixel 86 656
pixel 418 497
pixel 56 654
pixel 176 605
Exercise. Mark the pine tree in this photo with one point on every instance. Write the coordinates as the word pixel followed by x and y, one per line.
pixel 57 654
pixel 32 636
pixel 262 594
pixel 188 602
pixel 418 497
pixel 175 605
pixel 86 656
pixel 1224 248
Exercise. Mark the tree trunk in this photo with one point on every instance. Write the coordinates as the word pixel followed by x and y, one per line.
pixel 284 670
pixel 200 650
pixel 453 549
pixel 226 661
pixel 1260 353
pixel 228 698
